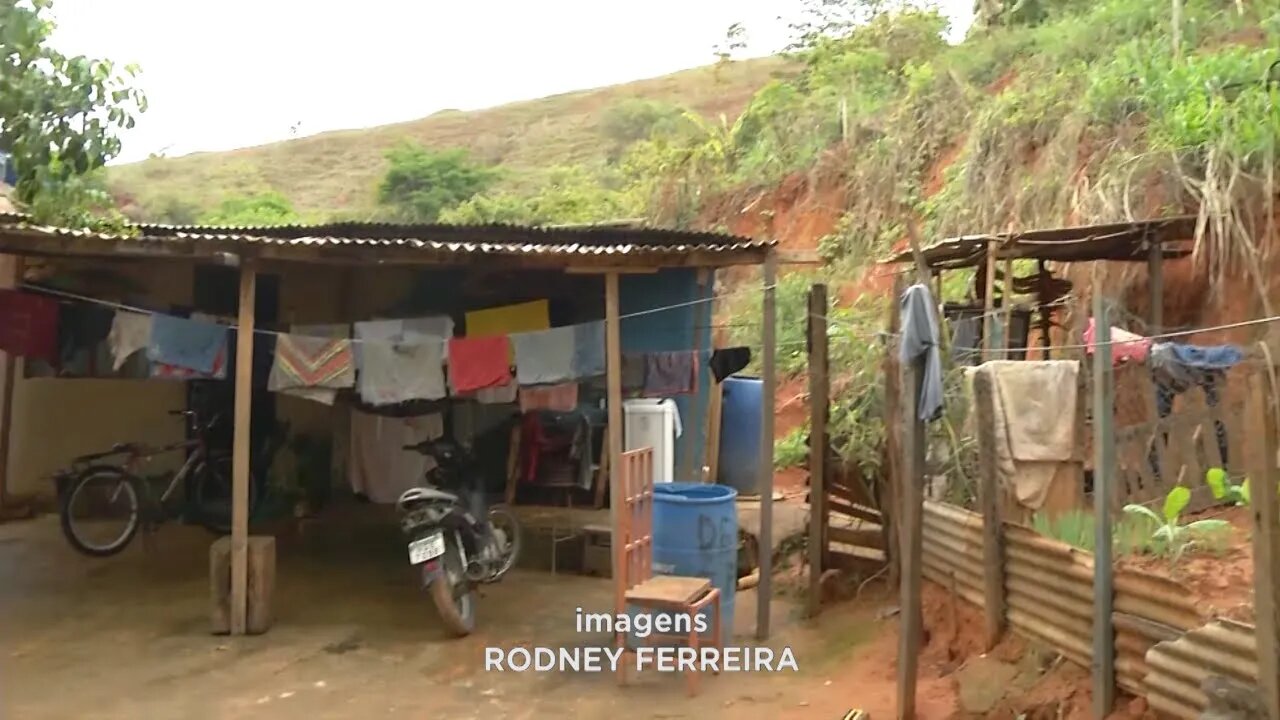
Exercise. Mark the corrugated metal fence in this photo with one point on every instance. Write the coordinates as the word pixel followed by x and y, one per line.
pixel 1048 596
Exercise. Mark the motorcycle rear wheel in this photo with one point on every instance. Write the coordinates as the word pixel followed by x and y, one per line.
pixel 459 615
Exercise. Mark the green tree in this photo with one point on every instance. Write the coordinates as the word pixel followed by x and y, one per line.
pixel 422 183
pixel 636 119
pixel 258 210
pixel 568 195
pixel 59 116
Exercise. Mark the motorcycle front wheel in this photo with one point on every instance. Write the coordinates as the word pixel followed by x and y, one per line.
pixel 456 608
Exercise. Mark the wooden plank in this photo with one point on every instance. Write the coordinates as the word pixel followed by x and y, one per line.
pixel 984 395
pixel 989 301
pixel 1155 286
pixel 240 448
pixel 1104 447
pixel 819 389
pixel 613 432
pixel 862 537
pixel 715 413
pixel 856 495
pixel 1266 538
pixel 834 506
pixel 769 369
pixel 910 542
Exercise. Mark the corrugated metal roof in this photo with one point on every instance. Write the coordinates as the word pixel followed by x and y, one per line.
pixel 437 238
pixel 1124 242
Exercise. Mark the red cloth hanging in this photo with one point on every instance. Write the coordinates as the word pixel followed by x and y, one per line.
pixel 479 363
pixel 29 325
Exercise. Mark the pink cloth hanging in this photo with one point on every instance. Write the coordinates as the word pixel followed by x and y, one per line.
pixel 1125 346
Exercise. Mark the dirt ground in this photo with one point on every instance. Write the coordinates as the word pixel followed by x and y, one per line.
pixel 127 637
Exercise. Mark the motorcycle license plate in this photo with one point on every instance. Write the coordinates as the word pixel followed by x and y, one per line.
pixel 427 548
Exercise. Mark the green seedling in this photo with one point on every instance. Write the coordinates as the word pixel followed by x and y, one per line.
pixel 1223 489
pixel 1175 537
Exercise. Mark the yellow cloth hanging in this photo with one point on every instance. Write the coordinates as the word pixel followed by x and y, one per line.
pixel 524 317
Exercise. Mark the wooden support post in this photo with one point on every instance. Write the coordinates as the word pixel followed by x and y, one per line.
pixel 984 399
pixel 613 382
pixel 1006 305
pixel 910 541
pixel 989 301
pixel 769 351
pixel 1104 467
pixel 893 425
pixel 1266 537
pixel 819 389
pixel 1046 323
pixel 240 448
pixel 1155 283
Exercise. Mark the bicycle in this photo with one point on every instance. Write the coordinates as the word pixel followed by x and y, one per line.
pixel 97 494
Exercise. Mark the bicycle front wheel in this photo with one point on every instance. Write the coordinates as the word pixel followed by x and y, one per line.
pixel 100 513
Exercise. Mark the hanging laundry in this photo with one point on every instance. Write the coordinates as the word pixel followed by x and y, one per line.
pixel 920 337
pixel 393 372
pixel 189 344
pixel 165 371
pixel 509 319
pixel 545 356
pixel 670 373
pixel 1125 346
pixel 406 330
pixel 633 373
pixel 588 349
pixel 29 325
pixel 561 398
pixel 130 332
pixel 314 367
pixel 502 395
pixel 728 361
pixel 81 328
pixel 380 468
pixel 478 363
pixel 1182 366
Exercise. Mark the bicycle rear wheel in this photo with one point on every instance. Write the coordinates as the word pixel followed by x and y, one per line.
pixel 100 512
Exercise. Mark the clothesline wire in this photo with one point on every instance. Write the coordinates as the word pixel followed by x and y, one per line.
pixel 234 326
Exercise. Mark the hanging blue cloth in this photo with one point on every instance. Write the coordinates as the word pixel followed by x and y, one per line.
pixel 184 343
pixel 588 349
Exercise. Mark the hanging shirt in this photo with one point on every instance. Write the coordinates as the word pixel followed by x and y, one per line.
pixel 380 468
pixel 130 332
pixel 920 337
pixel 545 356
pixel 183 343
pixel 588 349
pixel 29 325
pixel 393 373
pixel 670 373
pixel 728 361
pixel 479 363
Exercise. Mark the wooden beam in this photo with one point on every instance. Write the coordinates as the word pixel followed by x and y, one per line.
pixel 989 302
pixel 1266 537
pixel 910 541
pixel 984 399
pixel 1104 468
pixel 818 391
pixel 1006 304
pixel 799 257
pixel 1155 283
pixel 605 270
pixel 240 449
pixel 715 413
pixel 769 369
pixel 613 431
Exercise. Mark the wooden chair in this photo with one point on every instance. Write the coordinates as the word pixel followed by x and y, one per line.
pixel 635 585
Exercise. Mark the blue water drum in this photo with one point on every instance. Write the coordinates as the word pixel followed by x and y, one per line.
pixel 695 534
pixel 743 401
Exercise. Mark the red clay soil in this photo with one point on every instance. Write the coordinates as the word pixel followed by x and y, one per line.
pixel 791 406
pixel 1219 576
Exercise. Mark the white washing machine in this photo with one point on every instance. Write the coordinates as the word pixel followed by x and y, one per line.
pixel 655 424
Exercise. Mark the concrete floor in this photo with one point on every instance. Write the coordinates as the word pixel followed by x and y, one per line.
pixel 127 637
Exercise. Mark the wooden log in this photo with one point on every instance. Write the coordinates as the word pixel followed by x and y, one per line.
pixel 260 588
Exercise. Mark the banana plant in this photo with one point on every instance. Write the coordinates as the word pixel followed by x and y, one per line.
pixel 1176 537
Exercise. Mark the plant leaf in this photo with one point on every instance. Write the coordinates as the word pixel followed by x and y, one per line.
pixel 1216 479
pixel 1175 502
pixel 1207 525
pixel 1144 511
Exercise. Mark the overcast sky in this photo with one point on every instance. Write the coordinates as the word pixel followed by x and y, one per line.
pixel 233 73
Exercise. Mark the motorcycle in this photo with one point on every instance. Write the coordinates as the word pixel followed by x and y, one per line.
pixel 454 542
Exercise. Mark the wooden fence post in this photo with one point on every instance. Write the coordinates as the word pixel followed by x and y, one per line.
pixel 1262 472
pixel 910 542
pixel 819 389
pixel 768 368
pixel 984 399
pixel 1104 447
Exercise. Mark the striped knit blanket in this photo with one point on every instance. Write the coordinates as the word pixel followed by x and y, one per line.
pixel 311 362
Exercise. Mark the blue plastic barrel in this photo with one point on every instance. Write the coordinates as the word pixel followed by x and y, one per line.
pixel 740 434
pixel 695 534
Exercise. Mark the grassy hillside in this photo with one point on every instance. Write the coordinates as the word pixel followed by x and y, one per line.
pixel 337 172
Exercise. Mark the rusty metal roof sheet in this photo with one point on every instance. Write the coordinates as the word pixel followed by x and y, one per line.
pixel 1122 242
pixel 377 239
